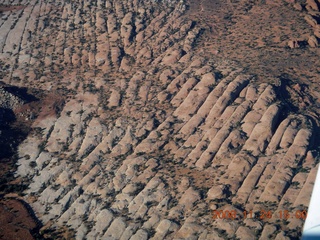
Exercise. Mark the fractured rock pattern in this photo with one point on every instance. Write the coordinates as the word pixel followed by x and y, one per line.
pixel 152 138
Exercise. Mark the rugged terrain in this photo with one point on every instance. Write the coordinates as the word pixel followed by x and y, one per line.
pixel 150 115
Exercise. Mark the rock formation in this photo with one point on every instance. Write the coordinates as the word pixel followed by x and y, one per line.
pixel 152 136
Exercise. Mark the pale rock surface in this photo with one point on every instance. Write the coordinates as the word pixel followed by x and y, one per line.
pixel 153 135
pixel 313 41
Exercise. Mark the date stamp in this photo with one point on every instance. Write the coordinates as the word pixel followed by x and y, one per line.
pixel 260 215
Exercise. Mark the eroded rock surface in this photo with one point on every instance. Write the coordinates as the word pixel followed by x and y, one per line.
pixel 152 136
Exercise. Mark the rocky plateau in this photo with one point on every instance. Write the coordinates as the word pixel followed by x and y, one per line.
pixel 140 119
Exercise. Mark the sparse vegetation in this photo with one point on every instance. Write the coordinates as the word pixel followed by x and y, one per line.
pixel 150 125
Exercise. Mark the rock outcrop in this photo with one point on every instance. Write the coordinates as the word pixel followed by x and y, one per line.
pixel 153 136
